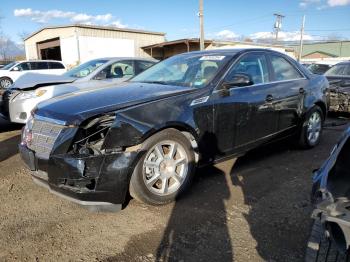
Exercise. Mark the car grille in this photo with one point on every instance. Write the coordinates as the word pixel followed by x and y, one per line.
pixel 44 135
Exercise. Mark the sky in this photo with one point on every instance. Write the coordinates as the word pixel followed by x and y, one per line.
pixel 223 19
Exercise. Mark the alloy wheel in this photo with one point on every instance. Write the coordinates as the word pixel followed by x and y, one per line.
pixel 5 83
pixel 165 168
pixel 314 126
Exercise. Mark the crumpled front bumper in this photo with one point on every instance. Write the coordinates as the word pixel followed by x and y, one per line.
pixel 99 182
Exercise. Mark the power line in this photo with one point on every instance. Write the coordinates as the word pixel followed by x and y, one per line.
pixel 244 21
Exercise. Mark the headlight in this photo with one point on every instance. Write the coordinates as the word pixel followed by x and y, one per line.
pixel 26 95
pixel 31 94
pixel 27 135
pixel 40 92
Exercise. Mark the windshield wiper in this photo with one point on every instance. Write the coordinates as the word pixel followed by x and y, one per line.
pixel 155 82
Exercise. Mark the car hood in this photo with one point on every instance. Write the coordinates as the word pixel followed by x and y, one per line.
pixel 30 81
pixel 73 108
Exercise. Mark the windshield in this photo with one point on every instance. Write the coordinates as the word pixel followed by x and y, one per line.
pixel 318 68
pixel 339 70
pixel 184 70
pixel 85 69
pixel 8 66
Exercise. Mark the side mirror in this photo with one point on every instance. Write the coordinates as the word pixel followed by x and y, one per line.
pixel 238 80
pixel 16 68
pixel 101 76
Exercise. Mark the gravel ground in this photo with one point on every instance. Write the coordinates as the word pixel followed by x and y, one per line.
pixel 254 208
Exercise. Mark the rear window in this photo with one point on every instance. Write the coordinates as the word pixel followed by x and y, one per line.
pixel 339 70
pixel 55 65
pixel 284 70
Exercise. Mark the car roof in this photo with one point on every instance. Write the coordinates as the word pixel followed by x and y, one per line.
pixel 344 63
pixel 124 58
pixel 233 51
pixel 21 61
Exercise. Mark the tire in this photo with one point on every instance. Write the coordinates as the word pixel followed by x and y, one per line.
pixel 311 129
pixel 159 179
pixel 321 248
pixel 5 82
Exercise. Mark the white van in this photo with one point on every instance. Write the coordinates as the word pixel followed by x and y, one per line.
pixel 11 72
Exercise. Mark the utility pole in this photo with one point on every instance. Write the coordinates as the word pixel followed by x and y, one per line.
pixel 301 38
pixel 201 24
pixel 278 24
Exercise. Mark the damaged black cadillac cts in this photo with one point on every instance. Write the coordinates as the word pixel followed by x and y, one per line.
pixel 146 136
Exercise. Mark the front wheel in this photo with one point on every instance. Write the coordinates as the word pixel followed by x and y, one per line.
pixel 5 82
pixel 322 248
pixel 311 130
pixel 165 170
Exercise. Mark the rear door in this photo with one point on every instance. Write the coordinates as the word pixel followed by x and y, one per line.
pixel 290 88
pixel 40 67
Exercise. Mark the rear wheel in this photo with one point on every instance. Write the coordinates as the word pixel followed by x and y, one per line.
pixel 311 130
pixel 5 82
pixel 165 170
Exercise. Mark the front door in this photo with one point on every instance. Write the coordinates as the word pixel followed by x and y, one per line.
pixel 244 115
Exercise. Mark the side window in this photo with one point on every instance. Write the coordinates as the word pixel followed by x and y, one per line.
pixel 23 66
pixel 143 65
pixel 55 65
pixel 119 70
pixel 347 71
pixel 283 70
pixel 38 66
pixel 254 65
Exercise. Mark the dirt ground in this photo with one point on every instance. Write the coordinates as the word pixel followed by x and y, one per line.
pixel 254 208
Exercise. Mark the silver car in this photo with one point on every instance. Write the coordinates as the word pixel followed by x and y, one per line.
pixel 32 89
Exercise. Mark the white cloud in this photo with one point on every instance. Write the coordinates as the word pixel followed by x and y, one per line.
pixel 338 2
pixel 118 24
pixel 322 4
pixel 305 3
pixel 282 36
pixel 226 34
pixel 46 16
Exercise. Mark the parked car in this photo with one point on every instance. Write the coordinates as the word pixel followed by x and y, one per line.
pixel 339 87
pixel 319 68
pixel 11 72
pixel 330 236
pixel 32 89
pixel 147 135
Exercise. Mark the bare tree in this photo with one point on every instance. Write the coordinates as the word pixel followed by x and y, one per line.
pixel 23 35
pixel 4 46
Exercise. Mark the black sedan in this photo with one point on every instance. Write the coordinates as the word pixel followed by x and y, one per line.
pixel 147 136
pixel 339 87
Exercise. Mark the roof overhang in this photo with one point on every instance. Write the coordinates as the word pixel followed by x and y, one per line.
pixel 97 27
pixel 176 42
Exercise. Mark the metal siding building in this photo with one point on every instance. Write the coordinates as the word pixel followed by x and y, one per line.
pixel 326 49
pixel 75 44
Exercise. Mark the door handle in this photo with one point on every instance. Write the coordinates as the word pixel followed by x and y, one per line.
pixel 301 90
pixel 269 98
